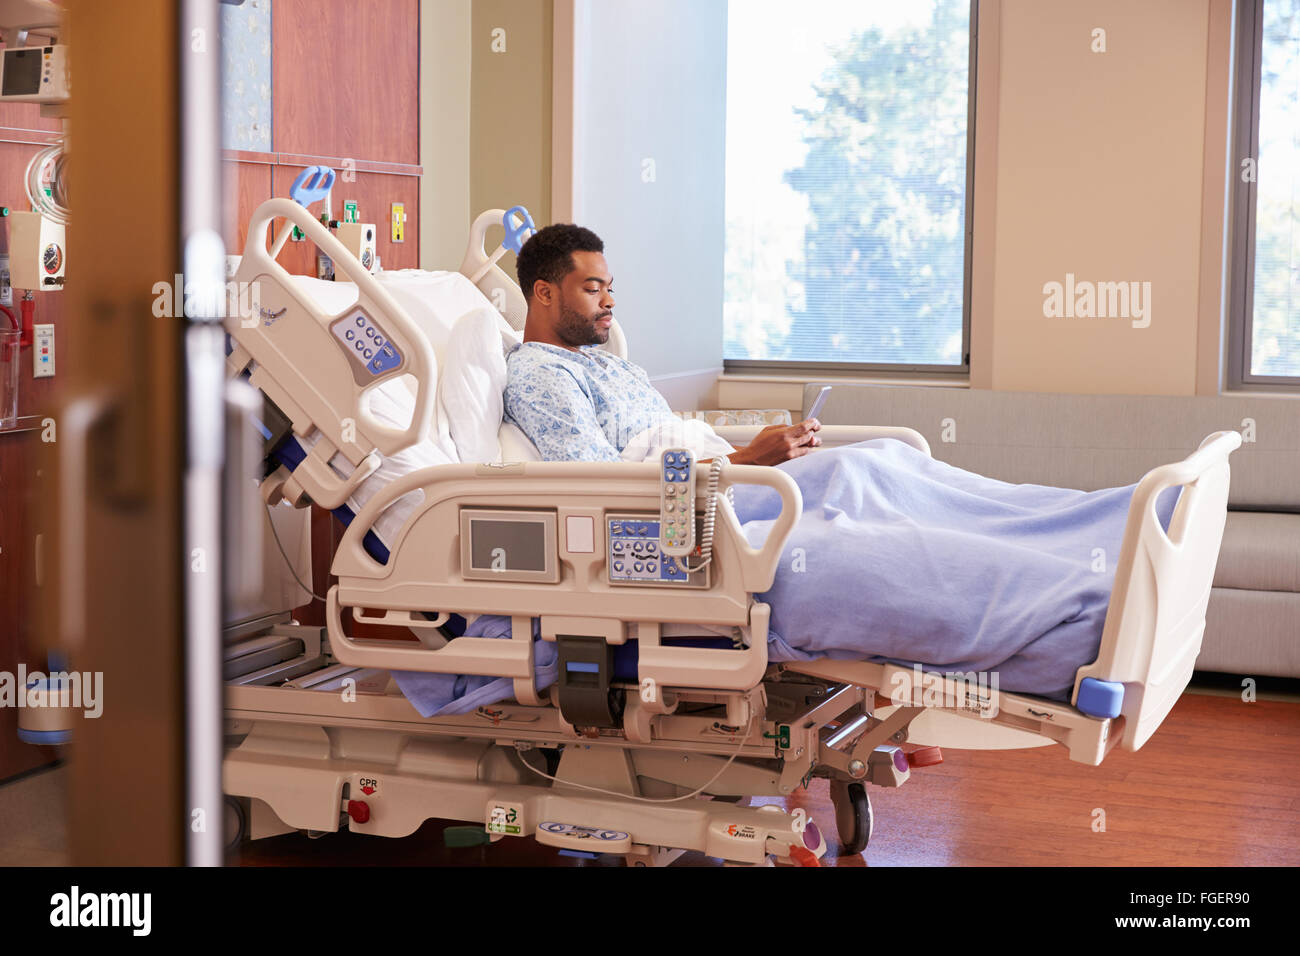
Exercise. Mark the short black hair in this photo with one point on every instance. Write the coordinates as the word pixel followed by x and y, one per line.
pixel 548 254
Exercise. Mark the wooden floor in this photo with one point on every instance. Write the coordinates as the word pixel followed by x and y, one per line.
pixel 1218 785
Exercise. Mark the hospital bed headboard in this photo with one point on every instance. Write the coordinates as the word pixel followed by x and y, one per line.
pixel 319 368
pixel 501 290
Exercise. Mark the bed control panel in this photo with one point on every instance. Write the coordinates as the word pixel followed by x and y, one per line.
pixel 677 502
pixel 367 343
pixel 635 556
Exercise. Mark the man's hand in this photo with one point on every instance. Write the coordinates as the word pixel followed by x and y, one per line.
pixel 778 443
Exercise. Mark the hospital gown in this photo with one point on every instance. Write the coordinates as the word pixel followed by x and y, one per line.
pixel 579 406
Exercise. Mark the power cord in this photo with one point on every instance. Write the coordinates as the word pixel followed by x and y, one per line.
pixel 275 534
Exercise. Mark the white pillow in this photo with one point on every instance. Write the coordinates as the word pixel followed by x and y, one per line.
pixel 471 388
pixel 435 301
pixel 515 445
pixel 674 432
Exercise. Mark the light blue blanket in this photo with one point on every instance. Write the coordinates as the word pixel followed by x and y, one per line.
pixel 436 695
pixel 903 558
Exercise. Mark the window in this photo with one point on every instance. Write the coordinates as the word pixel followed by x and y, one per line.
pixel 847 202
pixel 1264 335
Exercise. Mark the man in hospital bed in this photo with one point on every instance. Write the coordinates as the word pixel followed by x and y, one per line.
pixel 579 403
pixel 897 556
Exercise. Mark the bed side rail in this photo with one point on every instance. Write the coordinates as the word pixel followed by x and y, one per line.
pixel 1156 616
pixel 424 572
pixel 832 435
pixel 315 366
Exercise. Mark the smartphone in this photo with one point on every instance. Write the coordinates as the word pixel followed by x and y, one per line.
pixel 819 402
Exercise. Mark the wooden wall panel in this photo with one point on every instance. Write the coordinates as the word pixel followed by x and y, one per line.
pixel 374 192
pixel 346 78
pixel 248 185
pixel 22 514
pixel 20 520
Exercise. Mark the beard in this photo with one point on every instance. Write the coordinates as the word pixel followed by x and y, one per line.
pixel 576 330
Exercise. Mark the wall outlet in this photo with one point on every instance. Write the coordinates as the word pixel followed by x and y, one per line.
pixel 43 351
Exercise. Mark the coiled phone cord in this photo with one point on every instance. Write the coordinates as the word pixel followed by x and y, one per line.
pixel 711 512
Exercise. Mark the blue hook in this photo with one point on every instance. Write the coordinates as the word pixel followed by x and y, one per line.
pixel 313 183
pixel 516 236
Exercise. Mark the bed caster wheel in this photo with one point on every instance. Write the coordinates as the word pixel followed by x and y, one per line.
pixel 853 816
pixel 235 823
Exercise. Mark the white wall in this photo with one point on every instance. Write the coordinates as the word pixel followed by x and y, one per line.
pixel 650 83
pixel 510 136
pixel 1100 173
pixel 444 213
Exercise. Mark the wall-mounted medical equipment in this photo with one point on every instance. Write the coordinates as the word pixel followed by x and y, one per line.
pixel 46 183
pixel 37 252
pixel 35 74
pixel 32 74
pixel 397 219
pixel 359 239
pixel 313 184
pixel 43 351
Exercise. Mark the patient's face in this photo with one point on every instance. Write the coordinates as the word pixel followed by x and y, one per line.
pixel 586 302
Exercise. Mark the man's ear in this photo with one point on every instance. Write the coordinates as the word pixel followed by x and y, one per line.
pixel 543 292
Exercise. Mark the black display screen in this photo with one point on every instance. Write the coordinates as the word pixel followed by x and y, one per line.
pixel 22 72
pixel 497 545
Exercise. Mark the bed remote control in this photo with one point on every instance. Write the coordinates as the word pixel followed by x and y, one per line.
pixel 677 502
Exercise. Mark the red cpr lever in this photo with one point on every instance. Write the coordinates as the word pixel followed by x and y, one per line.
pixel 804 856
pixel 925 757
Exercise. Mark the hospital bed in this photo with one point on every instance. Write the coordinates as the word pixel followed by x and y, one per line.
pixel 656 732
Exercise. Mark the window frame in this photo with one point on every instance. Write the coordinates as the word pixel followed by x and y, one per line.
pixel 886 369
pixel 1248 42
